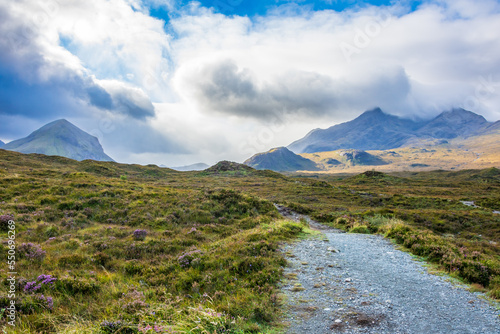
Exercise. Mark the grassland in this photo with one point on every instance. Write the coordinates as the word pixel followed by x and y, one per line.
pixel 110 248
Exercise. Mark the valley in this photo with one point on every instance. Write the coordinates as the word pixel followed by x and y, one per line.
pixel 129 248
pixel 239 167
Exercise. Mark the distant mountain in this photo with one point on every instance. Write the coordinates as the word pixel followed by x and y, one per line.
pixel 193 167
pixel 63 139
pixel 376 130
pixel 2 143
pixel 281 160
pixel 453 124
pixel 493 128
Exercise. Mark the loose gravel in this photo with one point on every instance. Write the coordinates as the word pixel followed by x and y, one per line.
pixel 355 283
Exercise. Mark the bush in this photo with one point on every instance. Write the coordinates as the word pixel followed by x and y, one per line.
pixel 4 222
pixel 32 252
pixel 73 260
pixel 362 229
pixel 140 234
pixel 77 286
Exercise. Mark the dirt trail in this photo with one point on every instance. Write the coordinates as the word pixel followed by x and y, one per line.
pixel 353 283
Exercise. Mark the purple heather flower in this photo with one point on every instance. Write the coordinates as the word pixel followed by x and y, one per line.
pixel 50 303
pixel 32 251
pixel 32 287
pixel 140 234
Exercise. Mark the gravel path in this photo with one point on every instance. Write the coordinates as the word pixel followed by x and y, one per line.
pixel 354 283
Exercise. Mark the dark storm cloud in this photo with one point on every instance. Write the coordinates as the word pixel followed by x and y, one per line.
pixel 33 83
pixel 68 95
pixel 99 97
pixel 223 87
pixel 130 101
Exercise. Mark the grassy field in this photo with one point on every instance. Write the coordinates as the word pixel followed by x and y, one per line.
pixel 108 248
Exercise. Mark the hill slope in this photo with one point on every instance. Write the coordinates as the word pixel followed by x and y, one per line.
pixel 63 139
pixel 281 160
pixel 375 130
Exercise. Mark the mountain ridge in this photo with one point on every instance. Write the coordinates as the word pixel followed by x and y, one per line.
pixel 60 138
pixel 376 130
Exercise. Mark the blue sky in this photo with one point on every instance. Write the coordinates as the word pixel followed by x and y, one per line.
pixel 261 7
pixel 178 82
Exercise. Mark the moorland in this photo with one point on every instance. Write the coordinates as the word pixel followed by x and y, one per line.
pixel 103 247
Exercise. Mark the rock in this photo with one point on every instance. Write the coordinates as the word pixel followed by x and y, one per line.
pixel 348 280
pixel 338 321
pixel 333 250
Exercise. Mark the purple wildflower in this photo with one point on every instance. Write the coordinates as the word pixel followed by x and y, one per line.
pixel 140 234
pixel 47 301
pixel 50 303
pixel 46 279
pixel 32 286
pixel 41 280
pixel 32 251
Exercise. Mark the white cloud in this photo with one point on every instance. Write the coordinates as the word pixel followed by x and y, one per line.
pixel 407 64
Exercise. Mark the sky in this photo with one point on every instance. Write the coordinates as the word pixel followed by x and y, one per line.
pixel 180 82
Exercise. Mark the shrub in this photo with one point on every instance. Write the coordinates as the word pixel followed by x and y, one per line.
pixel 362 229
pixel 110 327
pixel 134 267
pixel 133 301
pixel 188 258
pixel 77 285
pixel 73 260
pixel 45 302
pixel 39 283
pixel 31 251
pixel 140 234
pixel 51 231
pixel 4 221
pixel 101 259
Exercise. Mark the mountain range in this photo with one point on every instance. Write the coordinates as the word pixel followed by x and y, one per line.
pixel 1 143
pixel 376 130
pixel 455 139
pixel 63 139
